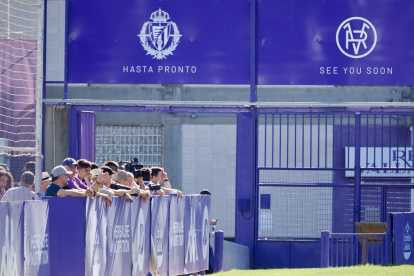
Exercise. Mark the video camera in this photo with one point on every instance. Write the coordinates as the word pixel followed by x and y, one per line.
pixel 135 167
pixel 154 187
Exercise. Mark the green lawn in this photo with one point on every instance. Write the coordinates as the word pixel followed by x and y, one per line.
pixel 369 270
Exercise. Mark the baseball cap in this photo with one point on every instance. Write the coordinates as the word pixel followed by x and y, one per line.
pixel 69 162
pixel 45 176
pixel 59 170
pixel 95 173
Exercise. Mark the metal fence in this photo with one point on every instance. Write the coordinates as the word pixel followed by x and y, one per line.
pixel 354 249
pixel 328 170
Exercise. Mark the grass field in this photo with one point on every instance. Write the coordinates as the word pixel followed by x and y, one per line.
pixel 368 270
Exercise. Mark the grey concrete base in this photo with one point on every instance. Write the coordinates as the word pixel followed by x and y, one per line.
pixel 235 256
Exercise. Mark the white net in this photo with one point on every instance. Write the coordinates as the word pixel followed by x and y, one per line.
pixel 20 52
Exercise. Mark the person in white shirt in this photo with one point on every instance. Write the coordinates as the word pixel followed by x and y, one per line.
pixel 22 192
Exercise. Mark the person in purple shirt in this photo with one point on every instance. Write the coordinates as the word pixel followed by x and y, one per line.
pixel 84 170
pixel 71 166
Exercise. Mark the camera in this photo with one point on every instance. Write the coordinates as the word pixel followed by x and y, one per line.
pixel 135 167
pixel 154 187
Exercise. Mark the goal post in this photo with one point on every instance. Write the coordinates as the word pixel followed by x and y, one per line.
pixel 21 84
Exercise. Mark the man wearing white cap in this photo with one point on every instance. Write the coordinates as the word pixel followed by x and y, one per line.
pixel 59 186
pixel 45 182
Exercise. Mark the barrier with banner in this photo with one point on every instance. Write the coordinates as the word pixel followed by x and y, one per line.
pixel 196 229
pixel 176 236
pixel 160 210
pixel 116 240
pixel 118 250
pixel 11 238
pixel 95 235
pixel 36 238
pixel 24 238
pixel 141 242
pixel 402 229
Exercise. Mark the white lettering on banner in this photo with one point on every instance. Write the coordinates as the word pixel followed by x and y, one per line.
pixel 119 239
pixel 159 235
pixel 205 232
pixel 353 70
pixel 8 265
pixel 389 162
pixel 162 69
pixel 191 251
pixel 38 252
pixel 96 261
pixel 177 236
pixel 139 247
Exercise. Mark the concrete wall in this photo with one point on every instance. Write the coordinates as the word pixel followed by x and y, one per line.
pixel 55 155
pixel 235 256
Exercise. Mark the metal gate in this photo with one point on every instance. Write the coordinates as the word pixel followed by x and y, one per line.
pixel 325 171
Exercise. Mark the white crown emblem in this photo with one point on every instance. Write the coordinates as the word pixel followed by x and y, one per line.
pixel 155 36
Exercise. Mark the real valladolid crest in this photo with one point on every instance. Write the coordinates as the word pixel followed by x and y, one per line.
pixel 155 36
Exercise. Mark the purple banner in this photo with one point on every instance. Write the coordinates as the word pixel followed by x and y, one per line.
pixel 36 238
pixel 403 226
pixel 11 238
pixel 196 233
pixel 141 242
pixel 118 250
pixel 159 232
pixel 322 42
pixel 176 244
pixel 159 41
pixel 95 235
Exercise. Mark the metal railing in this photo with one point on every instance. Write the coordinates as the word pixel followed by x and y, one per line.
pixel 350 249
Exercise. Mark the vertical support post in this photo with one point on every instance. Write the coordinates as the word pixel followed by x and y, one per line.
pixel 73 133
pixel 246 179
pixel 39 102
pixel 389 246
pixel 65 80
pixel 86 135
pixel 218 251
pixel 253 51
pixel 325 249
pixel 44 75
pixel 357 179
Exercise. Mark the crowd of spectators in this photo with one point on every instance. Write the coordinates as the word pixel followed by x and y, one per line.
pixel 82 178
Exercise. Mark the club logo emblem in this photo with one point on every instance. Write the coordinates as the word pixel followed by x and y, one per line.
pixel 407 241
pixel 159 37
pixel 356 37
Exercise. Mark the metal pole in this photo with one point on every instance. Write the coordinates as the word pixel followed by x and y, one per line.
pixel 357 184
pixel 253 50
pixel 65 83
pixel 39 99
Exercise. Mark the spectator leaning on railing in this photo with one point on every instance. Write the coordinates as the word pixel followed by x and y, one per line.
pixel 70 165
pixel 22 192
pixel 59 186
pixel 114 167
pixel 158 175
pixel 114 189
pixel 84 170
